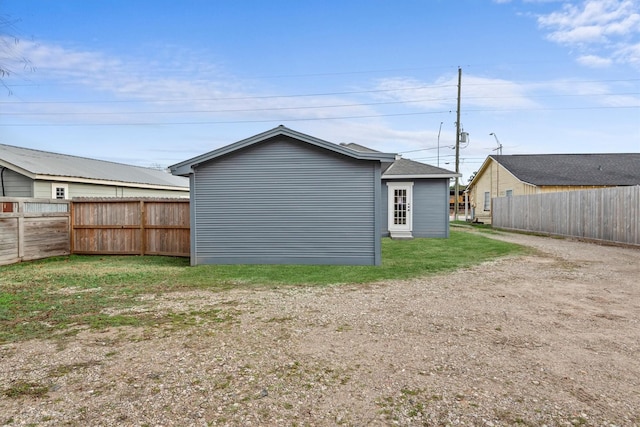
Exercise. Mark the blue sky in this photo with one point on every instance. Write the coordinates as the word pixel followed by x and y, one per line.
pixel 153 83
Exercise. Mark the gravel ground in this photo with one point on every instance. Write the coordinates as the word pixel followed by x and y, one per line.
pixel 550 339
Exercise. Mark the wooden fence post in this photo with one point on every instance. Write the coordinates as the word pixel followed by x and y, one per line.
pixel 71 224
pixel 21 230
pixel 143 237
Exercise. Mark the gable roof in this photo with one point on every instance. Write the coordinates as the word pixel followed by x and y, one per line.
pixel 358 147
pixel 406 168
pixel 615 169
pixel 45 165
pixel 186 167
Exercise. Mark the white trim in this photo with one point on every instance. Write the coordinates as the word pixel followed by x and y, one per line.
pixel 17 169
pixel 400 231
pixel 186 167
pixel 59 185
pixel 441 176
pixel 107 182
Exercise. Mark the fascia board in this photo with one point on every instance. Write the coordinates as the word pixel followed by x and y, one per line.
pixel 182 169
pixel 481 171
pixel 59 178
pixel 429 176
pixel 381 157
pixel 17 169
pixel 186 167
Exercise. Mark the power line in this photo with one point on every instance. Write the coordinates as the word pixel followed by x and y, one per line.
pixel 279 120
pixel 514 110
pixel 417 113
pixel 242 110
pixel 238 98
pixel 355 92
pixel 279 76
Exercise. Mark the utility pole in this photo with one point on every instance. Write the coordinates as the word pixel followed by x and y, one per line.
pixel 439 130
pixel 499 151
pixel 457 185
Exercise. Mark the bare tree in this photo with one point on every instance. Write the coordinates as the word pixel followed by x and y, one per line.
pixel 10 56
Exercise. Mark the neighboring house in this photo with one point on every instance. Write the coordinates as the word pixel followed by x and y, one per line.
pixel 283 197
pixel 41 174
pixel 515 175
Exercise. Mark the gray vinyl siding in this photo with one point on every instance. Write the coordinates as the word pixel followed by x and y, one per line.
pixel 384 210
pixel 16 185
pixel 430 208
pixel 285 202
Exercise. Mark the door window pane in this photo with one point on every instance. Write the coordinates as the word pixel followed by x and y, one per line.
pixel 400 207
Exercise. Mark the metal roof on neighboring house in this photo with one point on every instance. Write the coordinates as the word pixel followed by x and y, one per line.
pixel 39 164
pixel 574 169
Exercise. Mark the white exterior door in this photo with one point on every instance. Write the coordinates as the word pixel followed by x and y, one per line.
pixel 400 197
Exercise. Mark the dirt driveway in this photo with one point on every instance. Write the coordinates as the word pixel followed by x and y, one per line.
pixel 551 338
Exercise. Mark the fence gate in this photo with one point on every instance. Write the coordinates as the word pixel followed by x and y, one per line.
pixel 33 229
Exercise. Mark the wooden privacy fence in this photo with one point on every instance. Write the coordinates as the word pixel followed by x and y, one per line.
pixel 33 229
pixel 39 228
pixel 130 226
pixel 607 214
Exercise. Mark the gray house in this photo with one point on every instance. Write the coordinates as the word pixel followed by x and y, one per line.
pixel 416 197
pixel 42 174
pixel 283 197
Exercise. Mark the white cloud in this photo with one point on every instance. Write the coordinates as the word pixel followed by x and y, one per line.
pixel 595 61
pixel 606 94
pixel 442 93
pixel 602 30
pixel 629 54
pixel 154 93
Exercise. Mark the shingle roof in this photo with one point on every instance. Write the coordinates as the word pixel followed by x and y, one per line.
pixel 358 147
pixel 574 169
pixel 407 168
pixel 47 164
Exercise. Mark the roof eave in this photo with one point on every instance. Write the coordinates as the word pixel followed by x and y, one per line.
pixel 17 169
pixel 60 178
pixel 426 176
pixel 479 172
pixel 186 167
pixel 182 170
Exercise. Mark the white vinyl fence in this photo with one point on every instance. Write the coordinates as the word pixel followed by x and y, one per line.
pixel 606 214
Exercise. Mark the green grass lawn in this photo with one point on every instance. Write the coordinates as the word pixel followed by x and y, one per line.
pixel 57 295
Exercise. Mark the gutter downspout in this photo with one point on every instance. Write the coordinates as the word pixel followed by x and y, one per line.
pixel 2 180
